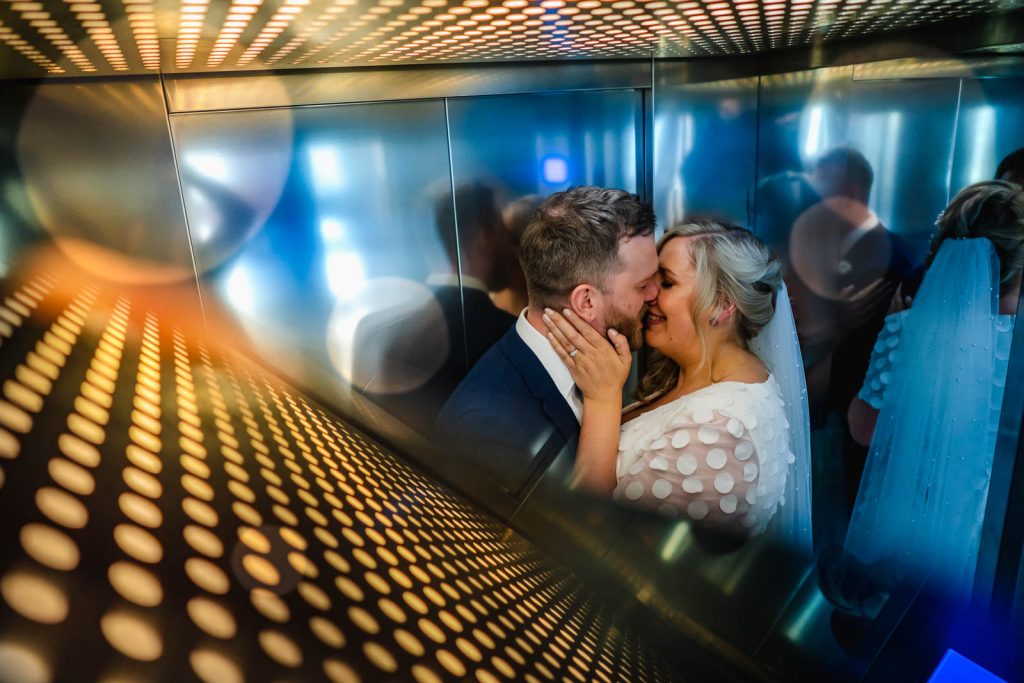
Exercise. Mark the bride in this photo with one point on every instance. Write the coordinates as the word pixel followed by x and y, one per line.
pixel 720 432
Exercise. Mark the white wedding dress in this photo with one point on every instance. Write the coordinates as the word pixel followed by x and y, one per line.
pixel 719 456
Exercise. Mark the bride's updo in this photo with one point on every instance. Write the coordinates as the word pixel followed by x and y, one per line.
pixel 731 265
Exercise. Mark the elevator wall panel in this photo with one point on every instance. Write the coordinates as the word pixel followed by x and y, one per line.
pixel 316 235
pixel 539 144
pixel 705 145
pixel 508 154
pixel 990 126
pixel 90 177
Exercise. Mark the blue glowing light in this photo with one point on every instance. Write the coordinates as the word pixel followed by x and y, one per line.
pixel 555 170
pixel 954 667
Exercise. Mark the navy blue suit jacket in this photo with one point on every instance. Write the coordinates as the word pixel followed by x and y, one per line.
pixel 508 416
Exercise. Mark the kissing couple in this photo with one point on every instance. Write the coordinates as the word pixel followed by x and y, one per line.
pixel 719 434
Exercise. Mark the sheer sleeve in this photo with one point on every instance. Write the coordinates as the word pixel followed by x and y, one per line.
pixel 703 466
pixel 883 355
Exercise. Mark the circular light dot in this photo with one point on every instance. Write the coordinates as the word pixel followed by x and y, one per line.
pixel 337 672
pixel 34 597
pixel 415 602
pixel 140 510
pixel 212 617
pixel 363 620
pixel 138 543
pixel 451 663
pixel 62 508
pixel 409 643
pixel 203 541
pixel 142 482
pixel 143 459
pixel 200 511
pixel 327 632
pixel 131 635
pixel 431 630
pixel 280 648
pixel 71 476
pixel 207 575
pixel 21 664
pixel 135 584
pixel 49 547
pixel 380 657
pixel 213 667
pixel 312 594
pixel 270 605
pixel 424 675
pixel 261 569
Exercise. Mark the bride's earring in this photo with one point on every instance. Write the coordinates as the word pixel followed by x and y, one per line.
pixel 714 321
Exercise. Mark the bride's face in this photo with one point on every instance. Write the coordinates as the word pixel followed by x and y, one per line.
pixel 669 326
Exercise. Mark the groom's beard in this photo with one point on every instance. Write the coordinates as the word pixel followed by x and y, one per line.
pixel 631 327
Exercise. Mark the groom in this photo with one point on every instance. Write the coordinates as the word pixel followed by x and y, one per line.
pixel 589 249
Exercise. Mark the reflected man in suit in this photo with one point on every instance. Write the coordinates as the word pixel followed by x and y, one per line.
pixel 481 260
pixel 486 257
pixel 588 249
pixel 845 266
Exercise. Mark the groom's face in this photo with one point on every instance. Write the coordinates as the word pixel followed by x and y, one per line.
pixel 630 289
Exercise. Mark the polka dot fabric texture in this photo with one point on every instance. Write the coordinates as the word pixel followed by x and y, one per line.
pixel 171 511
pixel 718 457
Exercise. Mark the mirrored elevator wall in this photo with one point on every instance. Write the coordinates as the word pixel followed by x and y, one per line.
pixel 337 228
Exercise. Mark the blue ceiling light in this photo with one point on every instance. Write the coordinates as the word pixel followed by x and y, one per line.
pixel 555 170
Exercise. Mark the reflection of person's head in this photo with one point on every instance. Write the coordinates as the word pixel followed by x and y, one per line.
pixel 519 213
pixel 483 243
pixel 718 286
pixel 843 172
pixel 1011 168
pixel 993 209
pixel 592 249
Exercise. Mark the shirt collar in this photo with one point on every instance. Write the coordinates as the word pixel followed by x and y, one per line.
pixel 869 224
pixel 554 366
pixel 453 280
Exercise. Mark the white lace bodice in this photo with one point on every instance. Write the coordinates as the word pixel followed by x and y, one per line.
pixel 719 455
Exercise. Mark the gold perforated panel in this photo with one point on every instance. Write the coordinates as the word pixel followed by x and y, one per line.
pixel 146 36
pixel 171 511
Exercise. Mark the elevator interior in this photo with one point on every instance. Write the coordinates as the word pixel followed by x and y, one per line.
pixel 222 231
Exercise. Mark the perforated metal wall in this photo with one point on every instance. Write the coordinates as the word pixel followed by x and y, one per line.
pixel 171 511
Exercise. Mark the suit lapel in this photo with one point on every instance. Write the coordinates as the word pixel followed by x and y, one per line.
pixel 541 385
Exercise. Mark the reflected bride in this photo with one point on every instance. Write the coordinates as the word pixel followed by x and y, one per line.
pixel 720 433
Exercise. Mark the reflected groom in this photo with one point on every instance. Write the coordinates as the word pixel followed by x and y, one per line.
pixel 592 250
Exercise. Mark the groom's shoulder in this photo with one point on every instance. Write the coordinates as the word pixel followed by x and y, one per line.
pixel 496 374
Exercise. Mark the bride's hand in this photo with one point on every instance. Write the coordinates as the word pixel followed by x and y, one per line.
pixel 599 366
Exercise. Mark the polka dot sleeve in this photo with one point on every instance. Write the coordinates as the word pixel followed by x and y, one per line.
pixel 883 357
pixel 704 467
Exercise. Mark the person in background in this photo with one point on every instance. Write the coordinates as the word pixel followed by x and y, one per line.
pixel 514 298
pixel 1011 168
pixel 845 266
pixel 929 407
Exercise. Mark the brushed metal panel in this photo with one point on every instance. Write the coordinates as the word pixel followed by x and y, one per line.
pixel 364 85
pixel 95 163
pixel 705 147
pixel 519 149
pixel 332 212
pixel 990 126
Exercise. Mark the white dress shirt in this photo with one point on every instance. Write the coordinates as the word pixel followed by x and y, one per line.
pixel 559 373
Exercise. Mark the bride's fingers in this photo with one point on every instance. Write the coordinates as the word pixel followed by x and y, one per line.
pixel 557 336
pixel 568 331
pixel 560 351
pixel 583 327
pixel 621 345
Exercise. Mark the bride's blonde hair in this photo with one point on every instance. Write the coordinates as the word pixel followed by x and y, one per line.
pixel 731 265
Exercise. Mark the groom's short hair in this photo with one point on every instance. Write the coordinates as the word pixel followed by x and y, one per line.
pixel 574 239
